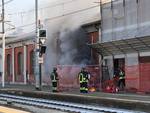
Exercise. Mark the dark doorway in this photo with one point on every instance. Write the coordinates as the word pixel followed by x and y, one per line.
pixel 119 67
pixel 119 63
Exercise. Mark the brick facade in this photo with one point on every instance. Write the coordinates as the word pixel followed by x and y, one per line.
pixel 19 77
pixel 8 65
pixel 93 38
pixel 29 66
pixel 144 73
pixel 19 70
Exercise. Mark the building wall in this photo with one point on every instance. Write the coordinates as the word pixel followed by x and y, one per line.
pixel 53 14
pixel 0 60
pixel 93 38
pixel 144 73
pixel 109 63
pixel 70 80
pixel 137 70
pixel 29 66
pixel 27 70
pixel 18 76
pixel 125 19
pixel 8 75
pixel 132 71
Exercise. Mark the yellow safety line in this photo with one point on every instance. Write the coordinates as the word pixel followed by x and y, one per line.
pixel 10 110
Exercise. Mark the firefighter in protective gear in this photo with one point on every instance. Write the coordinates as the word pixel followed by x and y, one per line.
pixel 121 82
pixel 83 79
pixel 54 80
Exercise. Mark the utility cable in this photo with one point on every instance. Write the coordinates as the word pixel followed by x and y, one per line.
pixel 60 16
pixel 47 7
pixel 6 2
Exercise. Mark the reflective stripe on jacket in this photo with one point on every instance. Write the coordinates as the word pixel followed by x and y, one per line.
pixel 53 77
pixel 121 75
pixel 83 77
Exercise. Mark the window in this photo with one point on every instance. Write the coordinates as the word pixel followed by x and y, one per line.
pixel 8 65
pixel 20 63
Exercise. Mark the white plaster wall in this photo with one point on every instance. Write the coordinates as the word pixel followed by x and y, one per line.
pixel 110 65
pixel 121 21
pixel 132 59
pixel 0 59
pixel 78 11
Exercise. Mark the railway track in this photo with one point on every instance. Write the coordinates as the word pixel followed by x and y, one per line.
pixel 72 107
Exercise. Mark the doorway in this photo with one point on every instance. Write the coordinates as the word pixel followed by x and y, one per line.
pixel 119 63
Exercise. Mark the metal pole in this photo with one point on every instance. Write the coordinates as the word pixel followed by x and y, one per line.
pixel 40 75
pixel 101 57
pixel 36 71
pixel 3 46
pixel 3 61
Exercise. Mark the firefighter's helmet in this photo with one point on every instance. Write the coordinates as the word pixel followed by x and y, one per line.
pixel 83 69
pixel 54 69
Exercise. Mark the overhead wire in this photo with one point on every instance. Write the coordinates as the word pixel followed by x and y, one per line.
pixel 60 16
pixel 46 7
pixel 6 2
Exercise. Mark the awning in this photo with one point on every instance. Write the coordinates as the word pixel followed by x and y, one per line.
pixel 124 46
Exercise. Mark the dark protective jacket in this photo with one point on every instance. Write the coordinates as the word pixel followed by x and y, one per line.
pixel 121 75
pixel 54 76
pixel 83 77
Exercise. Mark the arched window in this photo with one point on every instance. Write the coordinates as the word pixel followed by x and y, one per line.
pixel 9 64
pixel 32 62
pixel 20 63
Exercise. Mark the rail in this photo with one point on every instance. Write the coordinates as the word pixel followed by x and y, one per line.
pixel 65 106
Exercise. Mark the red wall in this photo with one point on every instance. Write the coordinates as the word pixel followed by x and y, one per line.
pixel 30 70
pixel 18 78
pixel 68 77
pixel 132 74
pixel 138 76
pixel 145 74
pixel 8 78
pixel 93 38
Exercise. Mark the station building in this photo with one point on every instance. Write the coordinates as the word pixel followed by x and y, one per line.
pixel 20 58
pixel 125 41
pixel 19 54
pixel 120 40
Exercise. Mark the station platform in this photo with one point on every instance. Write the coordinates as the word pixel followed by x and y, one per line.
pixel 130 101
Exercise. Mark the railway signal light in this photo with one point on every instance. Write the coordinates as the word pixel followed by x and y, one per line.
pixel 42 41
pixel 42 33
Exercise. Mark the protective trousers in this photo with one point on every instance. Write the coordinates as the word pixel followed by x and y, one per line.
pixel 54 86
pixel 54 82
pixel 83 83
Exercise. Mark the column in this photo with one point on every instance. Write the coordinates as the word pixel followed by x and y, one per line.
pixel 24 62
pixel 13 69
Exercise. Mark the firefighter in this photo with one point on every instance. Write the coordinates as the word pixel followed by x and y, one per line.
pixel 121 82
pixel 54 80
pixel 83 79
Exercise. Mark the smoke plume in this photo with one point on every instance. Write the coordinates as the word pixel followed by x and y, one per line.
pixel 66 39
pixel 66 45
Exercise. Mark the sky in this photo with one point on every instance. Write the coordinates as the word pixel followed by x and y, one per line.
pixel 15 9
pixel 19 5
pixel 23 5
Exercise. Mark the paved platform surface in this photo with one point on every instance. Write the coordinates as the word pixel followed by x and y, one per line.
pixel 10 110
pixel 119 100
